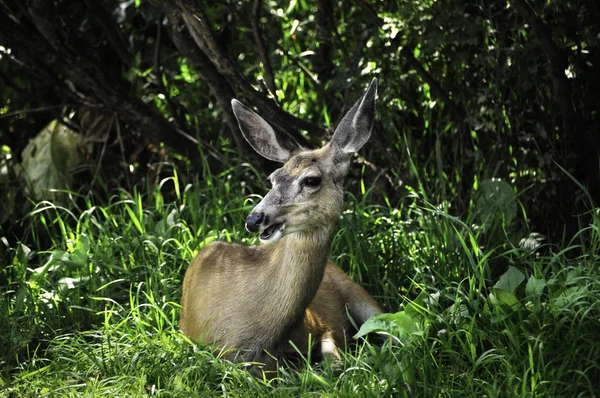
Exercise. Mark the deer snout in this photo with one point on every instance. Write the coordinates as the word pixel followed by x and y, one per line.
pixel 255 221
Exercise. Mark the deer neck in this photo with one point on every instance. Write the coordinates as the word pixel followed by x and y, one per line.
pixel 299 262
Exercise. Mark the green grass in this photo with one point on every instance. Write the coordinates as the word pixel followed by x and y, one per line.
pixel 90 302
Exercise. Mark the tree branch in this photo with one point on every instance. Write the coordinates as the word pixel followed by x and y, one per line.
pixel 262 48
pixel 585 143
pixel 317 85
pixel 201 32
pixel 217 84
pixel 161 77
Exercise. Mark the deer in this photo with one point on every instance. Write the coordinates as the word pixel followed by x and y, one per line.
pixel 258 300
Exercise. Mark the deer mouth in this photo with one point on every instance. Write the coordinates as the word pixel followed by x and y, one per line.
pixel 272 233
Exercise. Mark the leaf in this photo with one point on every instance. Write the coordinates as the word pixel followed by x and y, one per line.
pixel 532 242
pixel 48 158
pixel 57 258
pixel 377 323
pixel 496 204
pixel 507 298
pixel 510 280
pixel 67 283
pixel 505 303
pixel 82 249
pixel 562 299
pixel 401 325
pixel 415 307
pixel 573 277
pixel 417 52
pixel 405 324
pixel 22 256
pixel 535 287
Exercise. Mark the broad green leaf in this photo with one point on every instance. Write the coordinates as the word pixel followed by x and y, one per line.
pixel 573 276
pixel 71 283
pixel 405 324
pixel 23 255
pixel 377 323
pixel 57 258
pixel 496 204
pixel 568 297
pixel 48 160
pixel 510 280
pixel 82 249
pixel 400 325
pixel 535 287
pixel 507 298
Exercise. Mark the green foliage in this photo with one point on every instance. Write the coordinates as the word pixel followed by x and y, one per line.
pixel 444 221
pixel 97 311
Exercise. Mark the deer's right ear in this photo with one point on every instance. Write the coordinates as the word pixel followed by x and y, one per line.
pixel 276 145
pixel 355 128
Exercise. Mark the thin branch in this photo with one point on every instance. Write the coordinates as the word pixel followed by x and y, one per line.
pixel 368 9
pixel 318 86
pixel 585 143
pixel 122 148
pixel 103 150
pixel 218 85
pixel 33 110
pixel 262 49
pixel 157 39
pixel 198 25
pixel 9 83
pixel 9 12
pixel 41 11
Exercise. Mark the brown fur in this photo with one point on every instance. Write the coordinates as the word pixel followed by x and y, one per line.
pixel 259 298
pixel 254 297
pixel 236 300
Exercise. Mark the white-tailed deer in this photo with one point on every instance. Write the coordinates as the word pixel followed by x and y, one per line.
pixel 259 298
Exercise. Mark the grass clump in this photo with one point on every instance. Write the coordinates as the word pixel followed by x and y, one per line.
pixel 90 302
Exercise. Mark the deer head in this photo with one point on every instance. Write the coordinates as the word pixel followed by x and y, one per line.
pixel 307 191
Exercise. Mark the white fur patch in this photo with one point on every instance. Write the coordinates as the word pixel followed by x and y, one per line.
pixel 328 347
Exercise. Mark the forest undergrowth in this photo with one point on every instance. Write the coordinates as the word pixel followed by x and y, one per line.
pixel 90 299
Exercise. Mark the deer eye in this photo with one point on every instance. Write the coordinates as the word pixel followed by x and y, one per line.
pixel 312 182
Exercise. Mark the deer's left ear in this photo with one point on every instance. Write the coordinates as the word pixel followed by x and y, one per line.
pixel 276 145
pixel 355 128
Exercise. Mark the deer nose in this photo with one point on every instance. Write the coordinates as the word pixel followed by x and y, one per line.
pixel 254 221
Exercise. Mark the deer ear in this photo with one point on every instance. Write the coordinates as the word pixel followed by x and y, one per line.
pixel 355 128
pixel 276 145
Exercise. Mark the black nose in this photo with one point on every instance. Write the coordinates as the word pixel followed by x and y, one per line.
pixel 254 221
